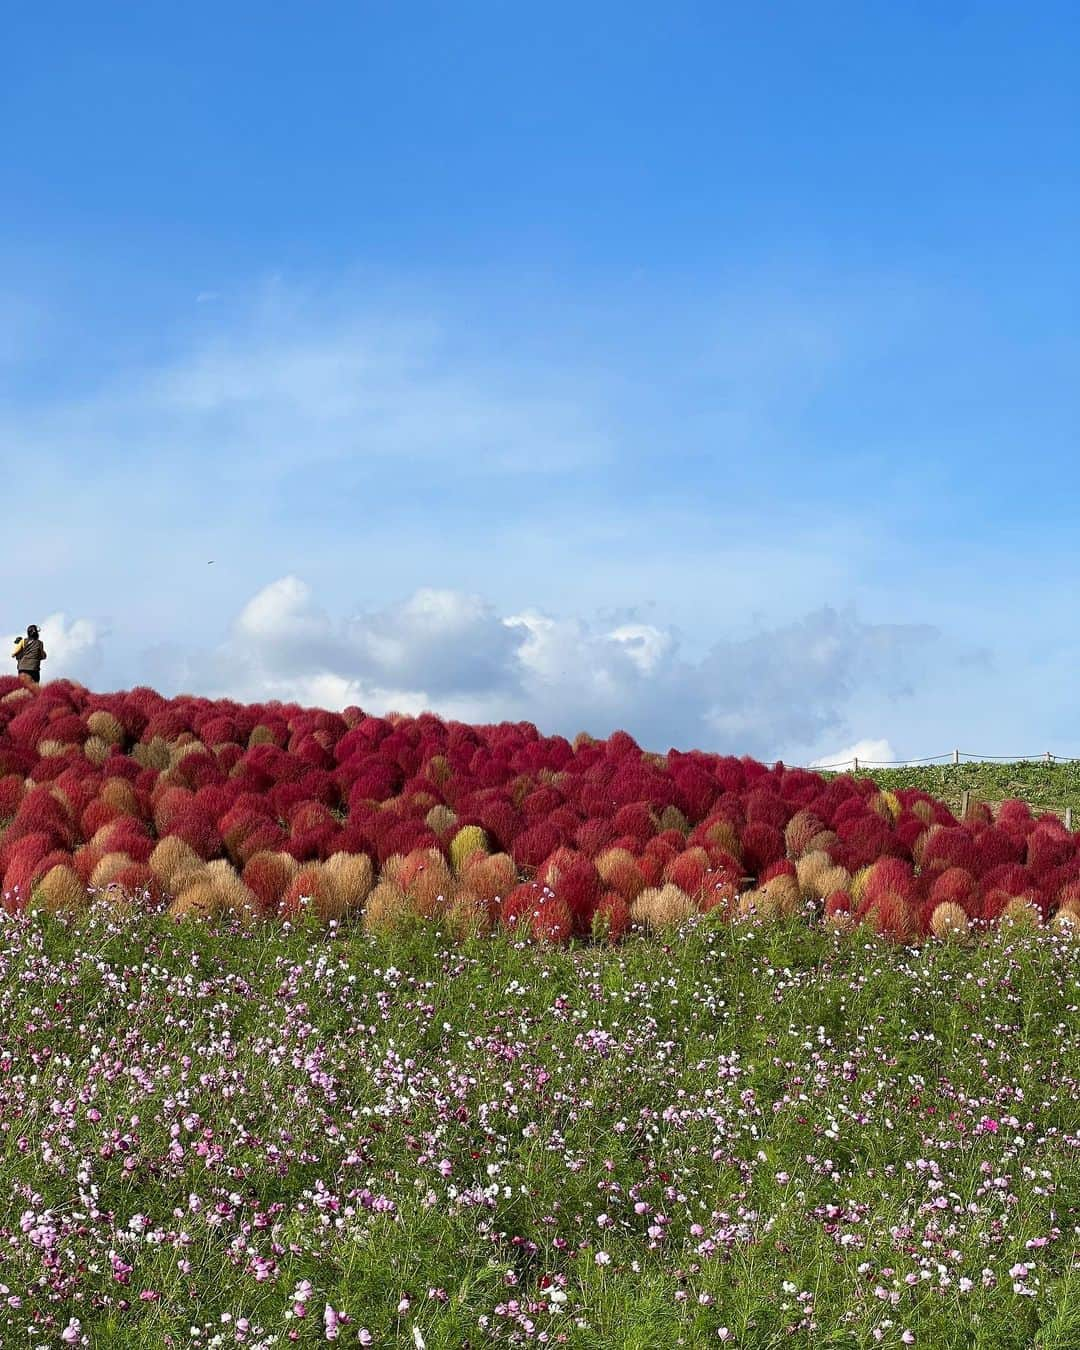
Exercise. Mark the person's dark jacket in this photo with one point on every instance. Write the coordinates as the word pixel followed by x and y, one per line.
pixel 30 656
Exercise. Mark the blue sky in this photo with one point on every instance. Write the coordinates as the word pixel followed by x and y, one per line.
pixel 705 369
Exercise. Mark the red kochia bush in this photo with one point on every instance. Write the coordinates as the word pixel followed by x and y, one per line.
pixel 40 811
pixel 612 917
pixel 594 836
pixel 1010 878
pixel 534 912
pixel 404 837
pixel 11 794
pixel 198 831
pixel 890 876
pixel 997 846
pixel 534 845
pixel 947 848
pixel 868 838
pixel 576 882
pixel 762 844
pixel 636 819
pixel 168 805
pixel 1016 817
pixel 126 835
pixel 954 886
pixel 320 842
pixel 18 858
pixel 766 808
pixel 1049 846
pixel 687 871
pixel 215 730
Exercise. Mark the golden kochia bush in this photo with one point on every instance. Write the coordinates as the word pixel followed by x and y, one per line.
pixel 824 842
pixel 619 870
pixel 61 891
pixel 886 805
pixel 1066 922
pixel 199 899
pixel 440 819
pixel 236 897
pixel 948 920
pixel 724 835
pixel 120 795
pixel 391 868
pixel 800 832
pixel 50 749
pixel 387 910
pixel 210 891
pixel 331 890
pixel 858 884
pixel 818 876
pixel 350 877
pixel 662 907
pixel 105 727
pixel 778 898
pixel 96 750
pixel 152 754
pixel 469 916
pixel 108 869
pixel 171 857
pixel 671 818
pixel 1021 912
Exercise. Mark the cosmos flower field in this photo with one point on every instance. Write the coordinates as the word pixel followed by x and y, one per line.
pixel 324 1027
pixel 756 1135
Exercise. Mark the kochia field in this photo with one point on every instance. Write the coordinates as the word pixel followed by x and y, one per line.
pixel 271 810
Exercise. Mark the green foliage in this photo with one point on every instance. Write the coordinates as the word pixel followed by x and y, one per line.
pixel 469 839
pixel 1045 787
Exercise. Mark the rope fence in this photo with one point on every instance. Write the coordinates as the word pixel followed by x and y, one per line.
pixel 950 757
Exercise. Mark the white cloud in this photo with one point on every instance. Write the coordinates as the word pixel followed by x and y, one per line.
pixel 865 751
pixel 454 654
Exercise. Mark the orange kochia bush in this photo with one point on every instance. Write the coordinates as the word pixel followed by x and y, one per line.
pixel 212 807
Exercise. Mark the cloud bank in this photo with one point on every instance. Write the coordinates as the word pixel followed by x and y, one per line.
pixel 453 653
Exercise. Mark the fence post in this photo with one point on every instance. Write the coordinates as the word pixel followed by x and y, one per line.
pixel 956 756
pixel 855 763
pixel 1049 757
pixel 1068 817
pixel 965 798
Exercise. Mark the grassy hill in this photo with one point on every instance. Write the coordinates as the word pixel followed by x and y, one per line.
pixel 1046 787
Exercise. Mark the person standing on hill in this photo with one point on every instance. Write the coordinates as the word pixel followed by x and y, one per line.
pixel 29 653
